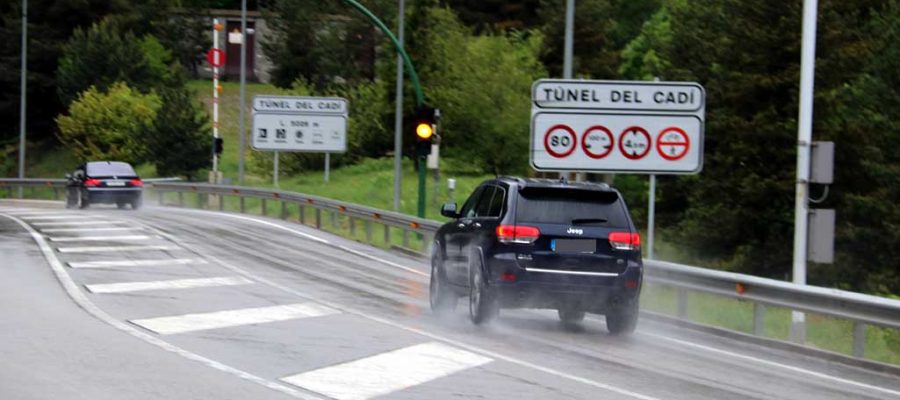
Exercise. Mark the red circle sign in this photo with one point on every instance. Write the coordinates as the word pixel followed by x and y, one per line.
pixel 215 57
pixel 560 140
pixel 673 143
pixel 595 138
pixel 634 143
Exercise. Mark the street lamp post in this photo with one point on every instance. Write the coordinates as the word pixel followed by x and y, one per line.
pixel 23 95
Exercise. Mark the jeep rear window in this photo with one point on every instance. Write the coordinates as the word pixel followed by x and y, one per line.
pixel 563 206
pixel 102 169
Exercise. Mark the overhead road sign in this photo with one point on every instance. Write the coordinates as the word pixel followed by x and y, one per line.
pixel 294 123
pixel 617 126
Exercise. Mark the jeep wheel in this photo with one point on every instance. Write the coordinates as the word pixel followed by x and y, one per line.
pixel 623 320
pixel 483 305
pixel 441 297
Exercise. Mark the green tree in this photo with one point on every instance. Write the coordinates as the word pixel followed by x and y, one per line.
pixel 109 125
pixel 179 142
pixel 482 85
pixel 594 51
pixel 320 42
pixel 50 23
pixel 102 55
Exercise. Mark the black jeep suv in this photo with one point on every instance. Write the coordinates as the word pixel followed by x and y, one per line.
pixel 538 243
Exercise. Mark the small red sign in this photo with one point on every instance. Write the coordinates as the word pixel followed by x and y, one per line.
pixel 215 57
pixel 597 142
pixel 560 141
pixel 634 143
pixel 673 143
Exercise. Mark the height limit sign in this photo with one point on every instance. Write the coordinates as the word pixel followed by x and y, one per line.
pixel 616 126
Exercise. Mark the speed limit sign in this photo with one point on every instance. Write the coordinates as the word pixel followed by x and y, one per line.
pixel 560 141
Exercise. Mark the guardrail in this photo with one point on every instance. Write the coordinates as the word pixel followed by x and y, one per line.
pixel 861 309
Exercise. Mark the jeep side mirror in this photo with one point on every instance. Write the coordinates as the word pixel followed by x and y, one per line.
pixel 449 210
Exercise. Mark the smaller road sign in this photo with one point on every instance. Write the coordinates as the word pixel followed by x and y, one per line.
pixel 215 57
pixel 673 143
pixel 597 142
pixel 560 141
pixel 634 142
pixel 297 123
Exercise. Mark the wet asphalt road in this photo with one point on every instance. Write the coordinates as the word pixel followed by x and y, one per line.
pixel 183 304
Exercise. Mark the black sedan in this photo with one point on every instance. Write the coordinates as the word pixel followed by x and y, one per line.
pixel 104 182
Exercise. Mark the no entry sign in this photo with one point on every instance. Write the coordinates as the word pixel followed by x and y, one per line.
pixel 215 57
pixel 614 126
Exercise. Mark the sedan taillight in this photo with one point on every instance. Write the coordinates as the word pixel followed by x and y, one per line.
pixel 136 182
pixel 92 182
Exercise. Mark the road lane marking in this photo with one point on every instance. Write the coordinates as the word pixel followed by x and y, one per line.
pixel 792 368
pixel 137 263
pixel 33 213
pixel 387 372
pixel 126 287
pixel 103 249
pixel 102 238
pixel 57 217
pixel 230 318
pixel 79 223
pixel 81 299
pixel 101 229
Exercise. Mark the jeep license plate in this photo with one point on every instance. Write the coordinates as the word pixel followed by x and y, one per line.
pixel 573 245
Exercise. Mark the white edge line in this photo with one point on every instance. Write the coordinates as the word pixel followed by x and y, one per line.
pixel 87 305
pixel 487 352
pixel 774 364
pixel 398 325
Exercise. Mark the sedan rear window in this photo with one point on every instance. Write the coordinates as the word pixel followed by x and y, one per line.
pixel 114 168
pixel 570 207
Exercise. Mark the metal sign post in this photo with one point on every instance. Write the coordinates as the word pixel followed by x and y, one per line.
pixel 327 165
pixel 651 216
pixel 23 93
pixel 804 142
pixel 275 170
pixel 398 114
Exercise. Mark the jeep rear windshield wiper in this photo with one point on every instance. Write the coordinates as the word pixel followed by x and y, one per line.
pixel 582 221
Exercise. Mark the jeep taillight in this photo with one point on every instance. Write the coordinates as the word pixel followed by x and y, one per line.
pixel 624 240
pixel 517 234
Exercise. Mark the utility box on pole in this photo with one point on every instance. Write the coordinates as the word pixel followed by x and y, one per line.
pixel 821 235
pixel 822 163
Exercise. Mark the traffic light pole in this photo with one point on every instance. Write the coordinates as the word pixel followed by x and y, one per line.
pixel 413 77
pixel 421 207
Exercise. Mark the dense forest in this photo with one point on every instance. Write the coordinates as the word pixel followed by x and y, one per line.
pixel 477 60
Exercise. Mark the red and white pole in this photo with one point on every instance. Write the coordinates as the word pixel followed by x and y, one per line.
pixel 216 29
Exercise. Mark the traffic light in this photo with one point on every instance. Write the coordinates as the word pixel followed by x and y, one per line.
pixel 424 128
pixel 218 145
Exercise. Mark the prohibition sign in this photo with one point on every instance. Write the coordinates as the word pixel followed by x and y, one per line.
pixel 597 137
pixel 636 140
pixel 673 143
pixel 215 57
pixel 559 141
